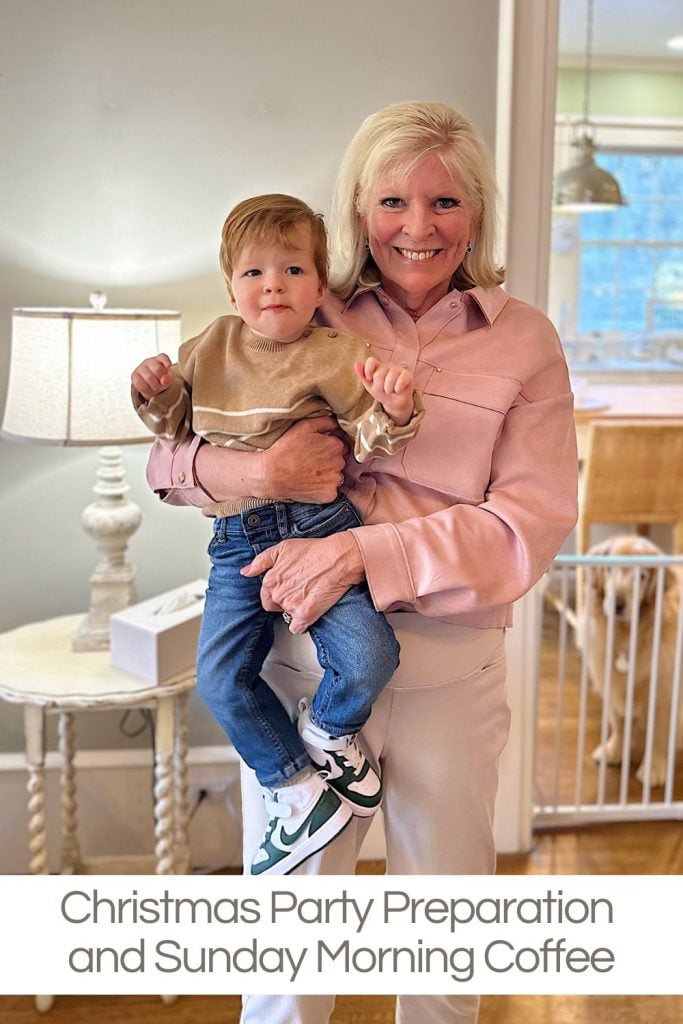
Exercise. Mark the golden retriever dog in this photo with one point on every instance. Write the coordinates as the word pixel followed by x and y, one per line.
pixel 612 594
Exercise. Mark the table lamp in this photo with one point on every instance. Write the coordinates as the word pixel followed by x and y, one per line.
pixel 69 384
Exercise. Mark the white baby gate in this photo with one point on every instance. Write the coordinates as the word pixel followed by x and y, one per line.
pixel 571 785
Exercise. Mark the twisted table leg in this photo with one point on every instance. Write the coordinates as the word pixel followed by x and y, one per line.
pixel 34 737
pixel 34 732
pixel 70 853
pixel 181 791
pixel 36 821
pixel 164 806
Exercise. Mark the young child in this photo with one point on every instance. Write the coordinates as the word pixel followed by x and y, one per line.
pixel 242 383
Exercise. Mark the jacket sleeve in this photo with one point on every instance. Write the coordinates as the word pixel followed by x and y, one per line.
pixel 171 475
pixel 486 555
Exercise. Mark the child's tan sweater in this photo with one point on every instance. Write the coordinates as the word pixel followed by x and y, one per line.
pixel 238 389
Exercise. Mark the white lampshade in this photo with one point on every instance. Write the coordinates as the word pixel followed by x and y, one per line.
pixel 70 373
pixel 69 384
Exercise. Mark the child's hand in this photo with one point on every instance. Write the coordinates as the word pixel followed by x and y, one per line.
pixel 389 384
pixel 153 376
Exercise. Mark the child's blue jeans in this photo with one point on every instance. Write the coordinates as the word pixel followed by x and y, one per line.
pixel 356 646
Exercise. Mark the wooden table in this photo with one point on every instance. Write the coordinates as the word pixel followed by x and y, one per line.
pixel 39 670
pixel 631 401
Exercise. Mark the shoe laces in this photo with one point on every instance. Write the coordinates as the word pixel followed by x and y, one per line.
pixel 352 757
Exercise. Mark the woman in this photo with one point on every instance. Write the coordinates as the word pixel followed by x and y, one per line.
pixel 456 528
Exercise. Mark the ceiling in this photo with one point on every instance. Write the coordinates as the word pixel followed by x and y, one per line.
pixel 623 28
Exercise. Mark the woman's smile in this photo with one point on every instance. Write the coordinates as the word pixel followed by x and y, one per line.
pixel 418 254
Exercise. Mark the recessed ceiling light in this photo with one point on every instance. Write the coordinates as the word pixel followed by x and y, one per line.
pixel 675 43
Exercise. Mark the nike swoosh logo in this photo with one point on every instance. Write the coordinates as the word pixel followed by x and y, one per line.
pixel 288 838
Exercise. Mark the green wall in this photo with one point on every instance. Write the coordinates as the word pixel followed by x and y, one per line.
pixel 622 93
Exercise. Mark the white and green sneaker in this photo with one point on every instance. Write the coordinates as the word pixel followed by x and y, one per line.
pixel 343 763
pixel 304 818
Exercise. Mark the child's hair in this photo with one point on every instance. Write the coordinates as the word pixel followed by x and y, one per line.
pixel 271 218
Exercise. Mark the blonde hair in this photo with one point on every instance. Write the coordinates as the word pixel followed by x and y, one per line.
pixel 398 137
pixel 271 218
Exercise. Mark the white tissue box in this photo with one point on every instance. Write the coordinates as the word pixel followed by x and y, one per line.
pixel 157 639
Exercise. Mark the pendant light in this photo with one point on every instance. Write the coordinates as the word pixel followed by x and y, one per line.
pixel 585 186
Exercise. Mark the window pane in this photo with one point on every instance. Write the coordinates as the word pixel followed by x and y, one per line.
pixel 597 312
pixel 637 264
pixel 669 274
pixel 638 175
pixel 602 224
pixel 671 177
pixel 666 318
pixel 670 222
pixel 632 311
pixel 636 221
pixel 599 264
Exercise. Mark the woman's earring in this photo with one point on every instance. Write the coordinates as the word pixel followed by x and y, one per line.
pixel 366 244
pixel 470 247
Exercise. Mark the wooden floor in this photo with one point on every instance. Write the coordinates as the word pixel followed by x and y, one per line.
pixel 616 848
pixel 350 1010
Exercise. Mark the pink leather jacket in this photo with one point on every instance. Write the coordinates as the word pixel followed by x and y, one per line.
pixel 464 520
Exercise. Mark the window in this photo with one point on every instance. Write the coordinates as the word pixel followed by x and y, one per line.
pixel 631 258
pixel 616 277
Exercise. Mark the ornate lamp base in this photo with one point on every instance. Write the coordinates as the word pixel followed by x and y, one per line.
pixel 111 522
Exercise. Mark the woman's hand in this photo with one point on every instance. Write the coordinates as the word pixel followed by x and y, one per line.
pixel 306 577
pixel 306 464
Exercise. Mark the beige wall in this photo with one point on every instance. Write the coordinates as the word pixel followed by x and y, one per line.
pixel 129 129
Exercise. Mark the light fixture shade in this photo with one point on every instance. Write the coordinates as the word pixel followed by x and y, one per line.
pixel 70 370
pixel 584 185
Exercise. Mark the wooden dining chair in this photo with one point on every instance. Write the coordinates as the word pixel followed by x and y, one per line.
pixel 632 475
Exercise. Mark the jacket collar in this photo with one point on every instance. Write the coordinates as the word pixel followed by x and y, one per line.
pixel 490 300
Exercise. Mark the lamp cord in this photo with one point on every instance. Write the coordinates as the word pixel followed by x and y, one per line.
pixel 131 732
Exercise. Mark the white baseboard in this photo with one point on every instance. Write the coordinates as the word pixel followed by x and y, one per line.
pixel 115 809
pixel 115 804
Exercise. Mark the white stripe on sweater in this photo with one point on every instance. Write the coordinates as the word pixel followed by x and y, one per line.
pixel 253 412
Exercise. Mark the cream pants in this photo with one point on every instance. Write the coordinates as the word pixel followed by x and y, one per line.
pixel 437 732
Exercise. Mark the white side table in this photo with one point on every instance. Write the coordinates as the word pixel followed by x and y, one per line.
pixel 39 670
